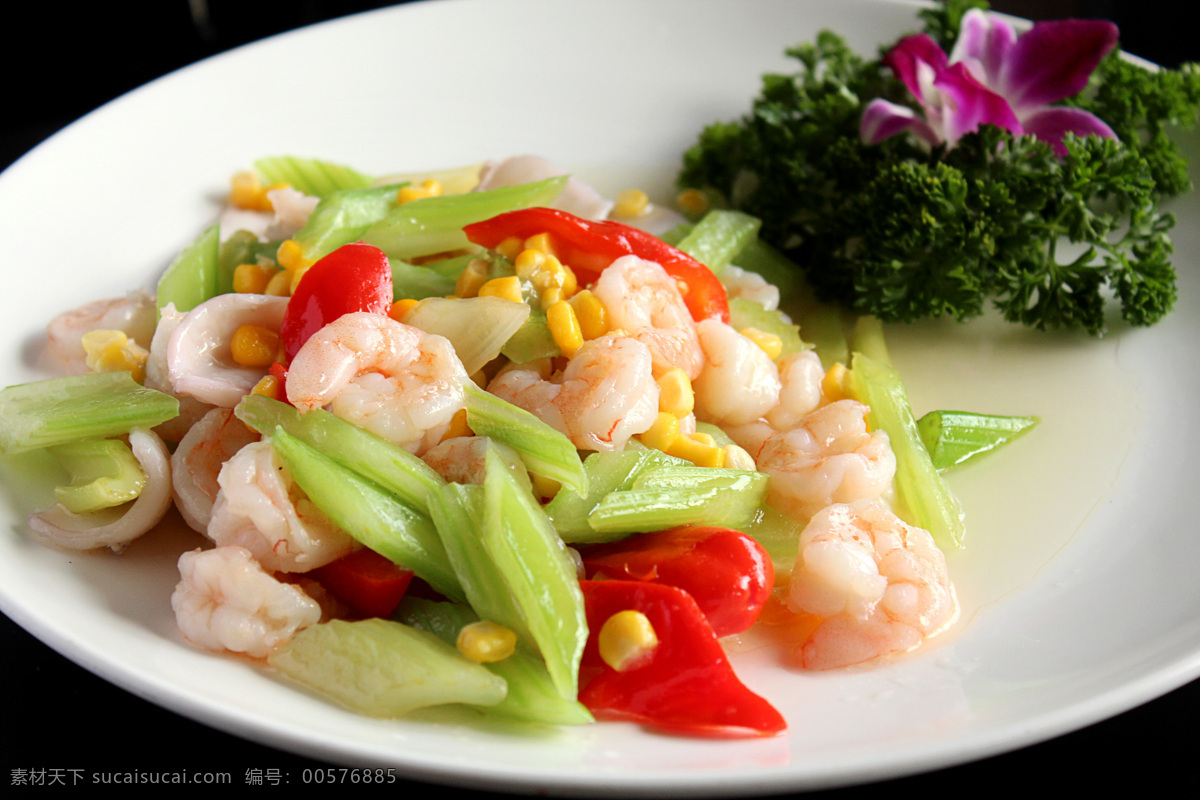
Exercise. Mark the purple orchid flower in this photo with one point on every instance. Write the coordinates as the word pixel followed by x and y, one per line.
pixel 993 76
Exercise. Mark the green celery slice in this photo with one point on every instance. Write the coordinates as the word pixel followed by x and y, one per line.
pixel 927 500
pixel 386 464
pixel 193 276
pixel 311 176
pixel 241 247
pixel 779 535
pixel 434 224
pixel 719 236
pixel 745 313
pixel 93 406
pixel 539 572
pixel 606 472
pixel 372 515
pixel 382 668
pixel 343 217
pixel 531 694
pixel 544 450
pixel 416 282
pixel 954 437
pixel 104 473
pixel 477 327
pixel 532 341
pixel 662 501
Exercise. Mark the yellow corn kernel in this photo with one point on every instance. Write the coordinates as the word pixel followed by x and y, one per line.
pixel 692 202
pixel 269 386
pixel 704 438
pixel 113 351
pixel 399 309
pixel 675 395
pixel 591 313
pixel 290 256
pixel 427 188
pixel 252 278
pixel 631 203
pixel 527 261
pixel 700 453
pixel 510 247
pixel 626 639
pixel 297 274
pixel 540 242
pixel 663 434
pixel 486 642
pixel 738 458
pixel 471 278
pixel 246 191
pixel 280 284
pixel 458 426
pixel 546 488
pixel 771 344
pixel 254 346
pixel 564 327
pixel 833 385
pixel 506 288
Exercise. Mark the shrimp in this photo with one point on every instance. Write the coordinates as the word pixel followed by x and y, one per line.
pixel 197 460
pixel 134 314
pixel 800 376
pixel 395 380
pixel 879 585
pixel 739 382
pixel 829 458
pixel 226 601
pixel 462 459
pixel 743 283
pixel 260 508
pixel 606 394
pixel 641 299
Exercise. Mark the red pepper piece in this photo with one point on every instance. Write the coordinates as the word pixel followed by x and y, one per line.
pixel 589 247
pixel 726 572
pixel 686 684
pixel 355 277
pixel 367 582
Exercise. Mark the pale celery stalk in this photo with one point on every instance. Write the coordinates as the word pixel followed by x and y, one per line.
pixel 544 450
pixel 343 217
pixel 417 282
pixel 478 327
pixel 539 572
pixel 93 406
pixel 373 516
pixel 192 277
pixel 382 668
pixel 104 473
pixel 390 466
pixel 311 176
pixel 659 502
pixel 531 694
pixel 606 472
pixel 925 498
pixel 434 224
pixel 955 437
pixel 716 239
pixel 745 313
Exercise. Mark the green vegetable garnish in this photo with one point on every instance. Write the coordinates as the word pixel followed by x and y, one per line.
pixel 953 437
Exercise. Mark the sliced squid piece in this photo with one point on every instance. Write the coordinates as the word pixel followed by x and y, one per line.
pixel 577 198
pixel 157 378
pixel 115 527
pixel 199 362
pixel 197 462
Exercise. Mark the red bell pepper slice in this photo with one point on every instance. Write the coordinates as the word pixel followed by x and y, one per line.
pixel 685 685
pixel 589 247
pixel 366 581
pixel 727 573
pixel 355 277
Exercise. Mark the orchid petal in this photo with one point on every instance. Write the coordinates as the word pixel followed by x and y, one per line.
pixel 883 120
pixel 1052 124
pixel 910 57
pixel 1053 60
pixel 984 43
pixel 972 104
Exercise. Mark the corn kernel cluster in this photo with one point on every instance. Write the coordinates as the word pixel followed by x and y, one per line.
pixel 676 400
pixel 112 351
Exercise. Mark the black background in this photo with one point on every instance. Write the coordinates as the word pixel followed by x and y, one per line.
pixel 58 715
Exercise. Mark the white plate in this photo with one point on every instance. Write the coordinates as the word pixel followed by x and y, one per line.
pixel 1078 582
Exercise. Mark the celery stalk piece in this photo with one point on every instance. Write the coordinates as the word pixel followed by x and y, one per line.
pixel 391 467
pixel 372 515
pixel 309 175
pixel 745 313
pixel 434 224
pixel 241 247
pixel 477 327
pixel 867 338
pixel 382 668
pixel 927 500
pixel 417 282
pixel 532 341
pixel 539 572
pixel 192 276
pixel 953 437
pixel 342 217
pixel 662 502
pixel 719 236
pixel 544 450
pixel 779 535
pixel 454 180
pixel 774 266
pixel 93 406
pixel 458 513
pixel 104 473
pixel 606 473
pixel 531 694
